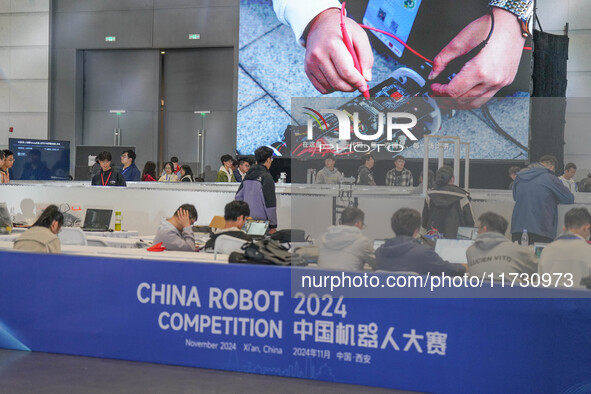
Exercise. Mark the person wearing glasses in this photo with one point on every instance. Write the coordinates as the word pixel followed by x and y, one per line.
pixel 344 247
pixel 42 236
pixel 129 170
pixel 6 166
pixel 258 189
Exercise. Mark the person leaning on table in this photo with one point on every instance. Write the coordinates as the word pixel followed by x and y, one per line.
pixel 42 236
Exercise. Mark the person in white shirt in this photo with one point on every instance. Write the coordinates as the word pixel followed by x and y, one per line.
pixel 567 179
pixel 570 253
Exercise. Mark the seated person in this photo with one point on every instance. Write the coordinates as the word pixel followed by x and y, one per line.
pixel 329 174
pixel 107 176
pixel 186 173
pixel 493 253
pixel 42 236
pixel 235 214
pixel 169 174
pixel 570 252
pixel 404 253
pixel 176 233
pixel 149 172
pixel 344 247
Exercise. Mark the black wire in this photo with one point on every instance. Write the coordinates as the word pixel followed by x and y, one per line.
pixel 499 129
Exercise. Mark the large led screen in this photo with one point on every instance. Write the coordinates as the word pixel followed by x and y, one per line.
pixel 278 43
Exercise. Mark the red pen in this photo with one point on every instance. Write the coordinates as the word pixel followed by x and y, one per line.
pixel 349 45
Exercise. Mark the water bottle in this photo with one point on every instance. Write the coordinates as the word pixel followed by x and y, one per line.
pixel 524 238
pixel 118 221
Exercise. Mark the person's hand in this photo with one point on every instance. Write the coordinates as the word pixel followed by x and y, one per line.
pixel 329 65
pixel 184 219
pixel 272 231
pixel 493 68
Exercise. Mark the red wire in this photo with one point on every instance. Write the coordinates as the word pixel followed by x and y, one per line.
pixel 399 40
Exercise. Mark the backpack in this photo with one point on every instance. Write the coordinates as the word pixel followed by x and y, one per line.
pixel 266 251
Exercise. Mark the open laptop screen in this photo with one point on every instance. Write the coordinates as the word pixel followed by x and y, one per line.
pixel 97 219
pixel 256 227
pixel 453 250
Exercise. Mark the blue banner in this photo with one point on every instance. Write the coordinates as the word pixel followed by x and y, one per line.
pixel 243 318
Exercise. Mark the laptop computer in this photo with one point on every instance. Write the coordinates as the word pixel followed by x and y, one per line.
pixel 256 228
pixel 97 219
pixel 453 250
pixel 467 233
pixel 377 243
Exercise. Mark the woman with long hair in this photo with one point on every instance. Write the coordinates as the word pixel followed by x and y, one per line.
pixel 149 172
pixel 186 173
pixel 42 236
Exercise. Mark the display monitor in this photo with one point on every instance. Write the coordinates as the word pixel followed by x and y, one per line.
pixel 39 160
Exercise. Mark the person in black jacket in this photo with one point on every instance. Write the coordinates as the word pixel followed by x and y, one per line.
pixel 107 176
pixel 258 189
pixel 447 206
pixel 235 214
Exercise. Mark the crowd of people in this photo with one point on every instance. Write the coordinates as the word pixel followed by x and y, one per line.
pixel 537 191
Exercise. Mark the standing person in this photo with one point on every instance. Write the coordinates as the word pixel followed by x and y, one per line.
pixel 399 176
pixel 364 173
pixel 329 174
pixel 225 173
pixel 567 178
pixel 258 189
pixel 176 232
pixel 513 174
pixel 149 172
pixel 537 191
pixel 447 206
pixel 42 236
pixel 243 167
pixel 107 176
pixel 129 171
pixel 344 247
pixel 186 173
pixel 169 175
pixel 6 166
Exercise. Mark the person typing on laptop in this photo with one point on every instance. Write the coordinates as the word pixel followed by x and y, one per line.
pixel 492 252
pixel 404 253
pixel 235 214
pixel 176 233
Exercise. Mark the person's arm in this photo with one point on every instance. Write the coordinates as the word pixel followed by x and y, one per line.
pixel 94 181
pixel 369 254
pixel 240 193
pixel 54 246
pixel 561 192
pixel 425 219
pixel 493 68
pixel 298 14
pixel 467 214
pixel 120 180
pixel 436 265
pixel 270 200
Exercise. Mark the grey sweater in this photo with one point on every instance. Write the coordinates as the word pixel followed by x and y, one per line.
pixel 173 239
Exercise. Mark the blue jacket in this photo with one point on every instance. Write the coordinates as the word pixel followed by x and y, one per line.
pixel 258 191
pixel 131 173
pixel 404 253
pixel 237 175
pixel 537 193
